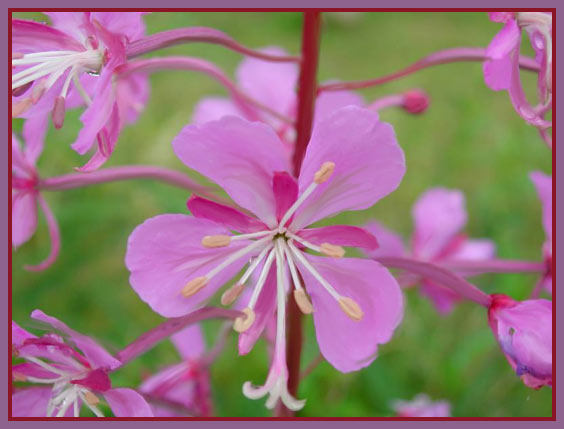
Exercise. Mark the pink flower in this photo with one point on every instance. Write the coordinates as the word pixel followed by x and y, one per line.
pixel 187 383
pixel 421 406
pixel 543 183
pixel 501 71
pixel 68 378
pixel 178 262
pixel 439 216
pixel 25 196
pixel 74 62
pixel 255 77
pixel 524 333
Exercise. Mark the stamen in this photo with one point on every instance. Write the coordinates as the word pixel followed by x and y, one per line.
pixel 351 308
pixel 212 241
pixel 254 265
pixel 262 279
pixel 306 243
pixel 58 112
pixel 332 250
pixel 21 90
pixel 324 173
pixel 231 294
pixel 242 323
pixel 303 301
pixel 93 408
pixel 91 398
pixel 194 286
pixel 20 107
pixel 293 271
pixel 81 90
pixel 18 376
pixel 38 91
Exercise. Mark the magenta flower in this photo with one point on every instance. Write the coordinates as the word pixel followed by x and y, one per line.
pixel 524 333
pixel 74 62
pixel 501 71
pixel 26 197
pixel 439 216
pixel 178 262
pixel 543 183
pixel 185 384
pixel 421 406
pixel 68 378
pixel 255 77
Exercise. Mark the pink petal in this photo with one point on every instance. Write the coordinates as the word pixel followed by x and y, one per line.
pixel 130 24
pixel 96 354
pixel 165 252
pixel 24 216
pixel 475 250
pixel 20 165
pixel 543 184
pixel 74 24
pixel 214 108
pixel 389 243
pixel 369 164
pixel 497 70
pixel 32 402
pixel 285 189
pixel 439 214
pixel 442 297
pixel 132 94
pixel 340 235
pixel 239 156
pixel 34 131
pixel 19 335
pixel 264 310
pixel 174 383
pixel 31 36
pixel 227 216
pixel 190 342
pixel 97 380
pixel 33 370
pixel 329 102
pixel 272 84
pixel 127 403
pixel 346 344
pixel 54 236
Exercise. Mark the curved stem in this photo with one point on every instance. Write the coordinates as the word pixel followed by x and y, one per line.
pixel 202 66
pixel 494 266
pixel 440 57
pixel 151 338
pixel 128 172
pixel 440 275
pixel 178 36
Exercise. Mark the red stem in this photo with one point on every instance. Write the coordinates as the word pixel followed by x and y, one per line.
pixel 306 102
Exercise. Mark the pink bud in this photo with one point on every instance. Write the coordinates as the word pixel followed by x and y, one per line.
pixel 415 101
pixel 524 333
pixel 501 16
pixel 58 112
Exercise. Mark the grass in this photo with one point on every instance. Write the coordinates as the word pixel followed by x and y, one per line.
pixel 469 139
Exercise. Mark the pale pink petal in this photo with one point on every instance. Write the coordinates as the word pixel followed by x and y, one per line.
pixel 389 243
pixel 285 189
pixel 132 94
pixel 19 335
pixel 214 108
pixel 439 214
pixel 75 24
pixel 174 383
pixel 422 406
pixel 165 252
pixel 501 16
pixel 190 342
pixel 96 354
pixel 369 164
pixel 543 184
pixel 54 236
pixel 31 36
pixel 24 216
pixel 127 403
pixel 475 250
pixel 442 297
pixel 238 155
pixel 271 83
pixel 130 24
pixel 340 235
pixel 34 131
pixel 498 69
pixel 31 402
pixel 346 344
pixel 329 102
pixel 20 165
pixel 227 216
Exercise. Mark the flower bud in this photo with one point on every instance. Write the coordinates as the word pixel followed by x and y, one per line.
pixel 415 101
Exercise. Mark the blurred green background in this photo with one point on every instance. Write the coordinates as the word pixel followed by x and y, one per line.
pixel 469 139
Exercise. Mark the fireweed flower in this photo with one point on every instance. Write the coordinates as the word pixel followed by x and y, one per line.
pixel 177 262
pixel 72 63
pixel 421 406
pixel 543 184
pixel 255 78
pixel 524 333
pixel 68 378
pixel 439 216
pixel 187 383
pixel 25 196
pixel 501 71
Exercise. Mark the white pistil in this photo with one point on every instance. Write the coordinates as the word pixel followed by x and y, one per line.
pixel 292 266
pixel 236 255
pixel 281 301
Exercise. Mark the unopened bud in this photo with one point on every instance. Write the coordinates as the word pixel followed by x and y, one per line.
pixel 242 323
pixel 212 241
pixel 415 101
pixel 324 173
pixel 303 301
pixel 351 308
pixel 231 294
pixel 194 286
pixel 332 250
